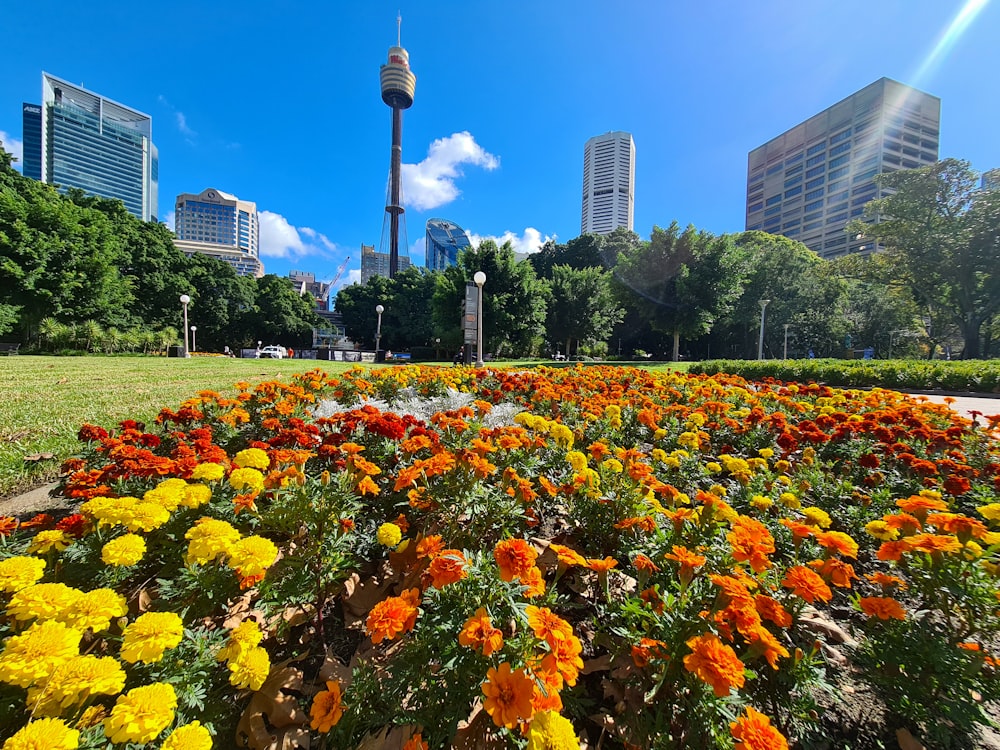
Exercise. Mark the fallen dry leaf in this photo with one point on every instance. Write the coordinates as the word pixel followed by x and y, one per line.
pixel 274 720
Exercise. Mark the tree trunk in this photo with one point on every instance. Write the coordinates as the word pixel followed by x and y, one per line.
pixel 677 346
pixel 970 335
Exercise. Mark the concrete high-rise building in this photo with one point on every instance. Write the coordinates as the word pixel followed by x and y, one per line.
pixel 443 242
pixel 221 225
pixel 80 139
pixel 377 264
pixel 810 181
pixel 990 179
pixel 608 183
pixel 398 86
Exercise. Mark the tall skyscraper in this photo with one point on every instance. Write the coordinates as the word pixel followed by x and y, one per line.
pixel 398 85
pixel 221 225
pixel 608 183
pixel 811 180
pixel 80 139
pixel 444 240
pixel 377 264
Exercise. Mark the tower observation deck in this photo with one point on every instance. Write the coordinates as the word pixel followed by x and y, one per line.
pixel 398 85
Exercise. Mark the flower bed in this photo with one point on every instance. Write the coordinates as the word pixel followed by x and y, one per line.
pixel 418 557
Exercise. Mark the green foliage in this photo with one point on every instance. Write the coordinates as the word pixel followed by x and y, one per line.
pixel 581 308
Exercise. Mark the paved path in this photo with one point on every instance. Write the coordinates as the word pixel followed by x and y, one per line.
pixel 964 405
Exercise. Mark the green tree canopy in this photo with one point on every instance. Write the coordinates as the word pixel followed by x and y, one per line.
pixel 581 306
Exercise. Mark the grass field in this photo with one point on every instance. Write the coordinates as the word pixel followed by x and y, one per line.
pixel 44 400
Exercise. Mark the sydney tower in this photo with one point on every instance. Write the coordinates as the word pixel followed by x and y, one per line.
pixel 398 85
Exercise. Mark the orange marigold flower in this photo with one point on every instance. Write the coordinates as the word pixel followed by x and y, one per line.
pixel 751 542
pixel 479 633
pixel 715 663
pixel 546 696
pixel 447 567
pixel 508 695
pixel 367 486
pixel 753 731
pixel 416 742
pixel 882 607
pixel 327 707
pixel 839 542
pixel 835 570
pixel 564 658
pixel 567 556
pixel 648 648
pixel 392 617
pixel 892 551
pixel 515 557
pixel 886 581
pixel 547 625
pixel 534 584
pixel 430 546
pixel 763 643
pixel 688 560
pixel 602 566
pixel 771 609
pixel 799 530
pixel 903 523
pixel 920 505
pixel 958 524
pixel 931 543
pixel 644 565
pixel 806 584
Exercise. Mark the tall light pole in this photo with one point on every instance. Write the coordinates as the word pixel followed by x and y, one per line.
pixel 480 279
pixel 760 342
pixel 194 340
pixel 785 350
pixel 378 329
pixel 184 301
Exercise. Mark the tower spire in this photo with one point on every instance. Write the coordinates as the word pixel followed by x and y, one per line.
pixel 399 29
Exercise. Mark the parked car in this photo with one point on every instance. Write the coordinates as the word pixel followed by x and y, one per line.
pixel 273 352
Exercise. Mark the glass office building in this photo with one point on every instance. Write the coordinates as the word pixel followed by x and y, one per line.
pixel 221 225
pixel 444 241
pixel 608 183
pixel 810 181
pixel 87 141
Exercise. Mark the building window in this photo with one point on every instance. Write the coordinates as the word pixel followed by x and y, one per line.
pixel 838 137
pixel 816 160
pixel 816 148
pixel 793 191
pixel 773 199
pixel 814 194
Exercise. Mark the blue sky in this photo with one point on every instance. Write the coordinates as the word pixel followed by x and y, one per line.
pixel 279 103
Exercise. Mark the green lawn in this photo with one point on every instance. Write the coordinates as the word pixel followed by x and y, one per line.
pixel 44 400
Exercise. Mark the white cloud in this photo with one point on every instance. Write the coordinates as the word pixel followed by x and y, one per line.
pixel 353 277
pixel 431 183
pixel 182 124
pixel 13 146
pixel 278 238
pixel 530 241
pixel 169 219
pixel 418 252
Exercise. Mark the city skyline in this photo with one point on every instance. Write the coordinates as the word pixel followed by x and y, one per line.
pixel 493 141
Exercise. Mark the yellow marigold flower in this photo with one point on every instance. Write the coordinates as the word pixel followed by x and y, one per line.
pixel 990 538
pixel 45 601
pixel 718 490
pixel 713 467
pixel 672 462
pixel 208 472
pixel 51 734
pixel 191 736
pixel 245 636
pixel 562 435
pixel 32 656
pixel 972 550
pixel 150 635
pixel 552 731
pixel 124 550
pixel 658 454
pixel 76 680
pixel 252 556
pixel 169 493
pixel 577 460
pixel 209 538
pixel 145 517
pixel 817 517
pixel 141 714
pixel 109 511
pixel 250 668
pixel 990 512
pixel 389 535
pixel 881 530
pixel 697 419
pixel 613 465
pixel 761 502
pixel 689 440
pixel 252 458
pixel 20 572
pixel 659 434
pixel 789 500
pixel 51 539
pixel 243 480
pixel 765 453
pixel 95 609
pixel 196 495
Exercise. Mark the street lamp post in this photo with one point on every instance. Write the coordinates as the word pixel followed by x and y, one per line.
pixel 480 279
pixel 184 301
pixel 785 350
pixel 378 329
pixel 760 342
pixel 194 339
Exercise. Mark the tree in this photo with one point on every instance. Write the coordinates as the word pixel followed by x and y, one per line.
pixel 356 304
pixel 513 300
pixel 680 282
pixel 942 238
pixel 281 315
pixel 581 306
